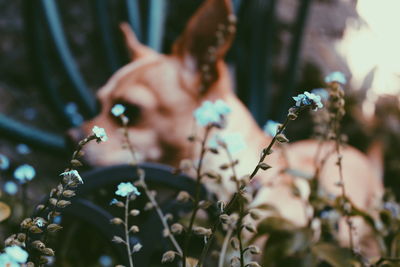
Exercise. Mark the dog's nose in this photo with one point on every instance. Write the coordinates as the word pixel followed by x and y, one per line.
pixel 73 136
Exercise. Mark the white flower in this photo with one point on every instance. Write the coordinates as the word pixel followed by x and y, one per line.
pixel 117 110
pixel 271 127
pixel 137 247
pixel 125 189
pixel 17 254
pixel 100 134
pixel 336 76
pixel 211 113
pixel 10 188
pixel 40 222
pixel 4 162
pixel 308 99
pixel 233 141
pixel 323 93
pixel 24 173
pixel 73 174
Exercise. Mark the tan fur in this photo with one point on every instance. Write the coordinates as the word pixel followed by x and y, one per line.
pixel 165 87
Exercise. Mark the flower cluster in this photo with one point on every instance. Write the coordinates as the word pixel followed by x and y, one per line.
pixel 210 113
pixel 13 256
pixel 117 110
pixel 73 175
pixel 308 99
pixel 125 189
pixel 100 134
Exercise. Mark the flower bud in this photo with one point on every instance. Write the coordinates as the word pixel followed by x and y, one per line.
pixel 254 249
pixel 52 228
pixel 63 203
pixel 183 197
pixel 134 229
pixel 177 228
pixel 117 239
pixel 116 221
pixel 134 212
pixel 202 231
pixel 168 256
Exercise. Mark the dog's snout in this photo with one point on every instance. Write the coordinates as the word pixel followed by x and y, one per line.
pixel 73 136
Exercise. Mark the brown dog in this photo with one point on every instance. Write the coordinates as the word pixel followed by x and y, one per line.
pixel 162 91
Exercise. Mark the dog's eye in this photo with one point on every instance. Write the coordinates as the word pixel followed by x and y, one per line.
pixel 132 112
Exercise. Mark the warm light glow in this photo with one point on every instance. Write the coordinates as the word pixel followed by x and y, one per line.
pixel 373 41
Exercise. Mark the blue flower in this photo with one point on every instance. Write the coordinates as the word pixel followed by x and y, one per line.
pixel 336 76
pixel 271 127
pixel 100 134
pixel 57 220
pixel 73 174
pixel 125 189
pixel 6 260
pixel 211 113
pixel 23 149
pixel 308 99
pixel 10 188
pixel 4 162
pixel 117 110
pixel 233 141
pixel 221 107
pixel 323 93
pixel 105 261
pixel 113 201
pixel 17 254
pixel 24 173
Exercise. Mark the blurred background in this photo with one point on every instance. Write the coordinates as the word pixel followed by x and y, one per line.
pixel 54 55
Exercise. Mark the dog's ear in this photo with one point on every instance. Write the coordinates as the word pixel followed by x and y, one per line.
pixel 136 49
pixel 206 39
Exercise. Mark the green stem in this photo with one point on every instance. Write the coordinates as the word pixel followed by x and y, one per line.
pixel 126 228
pixel 197 196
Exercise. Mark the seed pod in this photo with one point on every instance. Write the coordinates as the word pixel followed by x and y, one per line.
pixel 202 231
pixel 48 252
pixel 253 264
pixel 34 229
pixel 21 237
pixel 249 227
pixel 148 206
pixel 204 204
pixel 116 221
pixel 168 256
pixel 39 245
pixel 253 249
pixel 40 207
pixel 53 201
pixel 134 212
pixel 137 247
pixel 76 163
pixel 177 228
pixel 281 138
pixel 264 166
pixel 224 218
pixel 117 239
pixel 235 262
pixel 234 243
pixel 52 228
pixel 134 229
pixel 68 193
pixel 183 197
pixel 25 224
pixel 255 214
pixel 63 203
